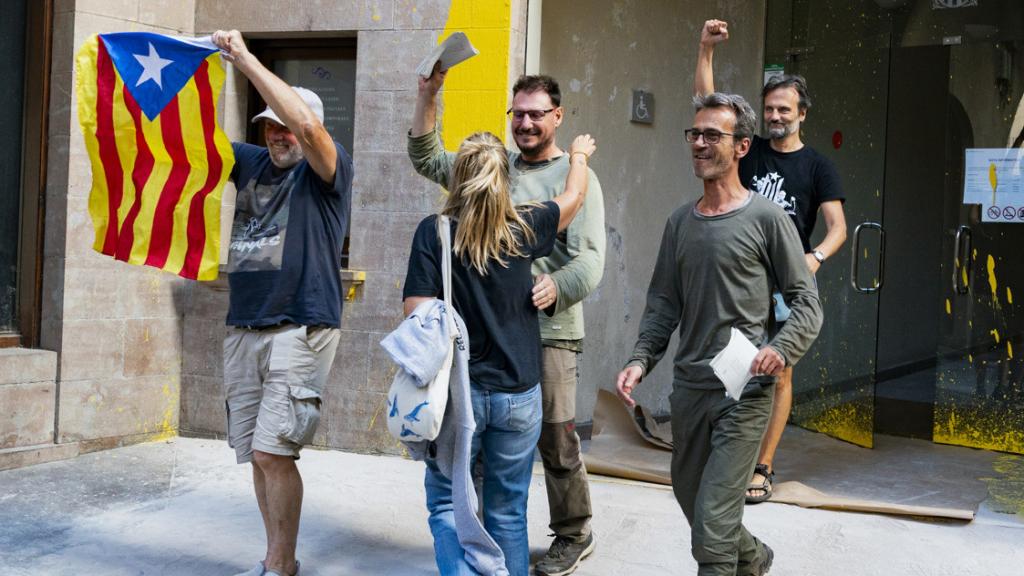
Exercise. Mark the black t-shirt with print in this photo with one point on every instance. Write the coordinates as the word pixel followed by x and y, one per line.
pixel 797 181
pixel 504 333
pixel 286 239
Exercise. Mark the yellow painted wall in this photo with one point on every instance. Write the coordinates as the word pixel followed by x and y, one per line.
pixel 476 92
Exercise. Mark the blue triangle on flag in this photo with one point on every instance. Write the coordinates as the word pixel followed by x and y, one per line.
pixel 153 67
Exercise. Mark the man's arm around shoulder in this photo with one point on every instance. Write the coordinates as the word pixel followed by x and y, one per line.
pixel 585 242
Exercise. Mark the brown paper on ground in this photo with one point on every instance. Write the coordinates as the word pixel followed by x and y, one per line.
pixel 807 497
pixel 633 445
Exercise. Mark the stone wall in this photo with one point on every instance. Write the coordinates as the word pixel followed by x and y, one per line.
pixel 389 198
pixel 116 329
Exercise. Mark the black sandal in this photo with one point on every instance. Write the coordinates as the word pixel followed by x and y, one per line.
pixel 765 486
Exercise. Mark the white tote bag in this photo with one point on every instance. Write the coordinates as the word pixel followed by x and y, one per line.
pixel 415 412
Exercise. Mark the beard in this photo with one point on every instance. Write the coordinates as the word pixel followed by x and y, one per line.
pixel 780 131
pixel 285 157
pixel 537 148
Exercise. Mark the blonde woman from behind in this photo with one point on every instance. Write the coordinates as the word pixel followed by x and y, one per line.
pixel 494 245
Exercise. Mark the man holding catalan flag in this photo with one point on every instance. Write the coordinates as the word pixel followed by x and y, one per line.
pixel 147 111
pixel 291 211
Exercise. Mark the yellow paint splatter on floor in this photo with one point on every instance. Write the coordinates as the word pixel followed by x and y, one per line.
pixel 1009 295
pixel 1009 350
pixel 949 309
pixel 1006 487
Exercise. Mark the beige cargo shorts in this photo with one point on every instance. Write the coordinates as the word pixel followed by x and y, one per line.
pixel 273 384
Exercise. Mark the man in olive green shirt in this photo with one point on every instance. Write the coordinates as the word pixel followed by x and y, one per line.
pixel 719 259
pixel 563 280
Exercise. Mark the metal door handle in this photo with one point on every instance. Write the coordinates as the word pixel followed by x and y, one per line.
pixel 962 261
pixel 854 257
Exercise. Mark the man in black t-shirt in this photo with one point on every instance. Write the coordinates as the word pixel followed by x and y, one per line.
pixel 284 313
pixel 801 181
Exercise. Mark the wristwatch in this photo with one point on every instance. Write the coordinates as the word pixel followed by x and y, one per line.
pixel 818 256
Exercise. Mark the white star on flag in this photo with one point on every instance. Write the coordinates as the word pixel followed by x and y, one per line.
pixel 151 66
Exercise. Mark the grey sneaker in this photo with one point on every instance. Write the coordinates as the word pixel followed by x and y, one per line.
pixel 261 570
pixel 258 570
pixel 564 556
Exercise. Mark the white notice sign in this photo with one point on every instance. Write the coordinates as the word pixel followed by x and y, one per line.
pixel 994 178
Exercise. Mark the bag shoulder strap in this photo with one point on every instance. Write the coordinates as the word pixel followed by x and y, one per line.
pixel 444 231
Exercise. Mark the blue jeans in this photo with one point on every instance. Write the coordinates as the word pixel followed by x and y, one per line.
pixel 507 430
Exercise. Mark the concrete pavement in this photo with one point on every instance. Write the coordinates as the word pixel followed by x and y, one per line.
pixel 182 507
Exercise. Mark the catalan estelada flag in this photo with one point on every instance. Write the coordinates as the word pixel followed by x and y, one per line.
pixel 147 107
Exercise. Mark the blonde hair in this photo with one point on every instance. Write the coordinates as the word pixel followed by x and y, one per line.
pixel 479 198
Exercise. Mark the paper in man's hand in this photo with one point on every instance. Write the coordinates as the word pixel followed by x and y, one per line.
pixel 455 49
pixel 732 364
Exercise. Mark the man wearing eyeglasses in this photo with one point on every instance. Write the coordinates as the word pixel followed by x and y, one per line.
pixel 801 181
pixel 719 259
pixel 563 280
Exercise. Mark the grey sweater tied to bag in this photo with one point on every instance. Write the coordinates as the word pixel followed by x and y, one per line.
pixel 414 347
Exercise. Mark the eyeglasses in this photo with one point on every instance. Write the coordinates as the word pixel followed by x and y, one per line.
pixel 535 115
pixel 710 136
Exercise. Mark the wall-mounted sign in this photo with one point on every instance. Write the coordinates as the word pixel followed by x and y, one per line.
pixel 772 70
pixel 643 107
pixel 994 178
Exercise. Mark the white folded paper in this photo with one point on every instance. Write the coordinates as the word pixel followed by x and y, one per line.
pixel 455 49
pixel 732 364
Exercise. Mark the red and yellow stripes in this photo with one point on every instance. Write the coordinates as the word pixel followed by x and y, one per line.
pixel 156 190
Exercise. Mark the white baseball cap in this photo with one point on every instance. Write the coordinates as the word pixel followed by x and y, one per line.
pixel 308 96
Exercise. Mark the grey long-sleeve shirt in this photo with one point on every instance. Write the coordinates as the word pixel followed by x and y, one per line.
pixel 577 261
pixel 716 272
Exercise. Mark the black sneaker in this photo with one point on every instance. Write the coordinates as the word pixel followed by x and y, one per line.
pixel 765 565
pixel 564 556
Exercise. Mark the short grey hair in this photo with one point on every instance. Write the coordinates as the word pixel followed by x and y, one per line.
pixel 746 118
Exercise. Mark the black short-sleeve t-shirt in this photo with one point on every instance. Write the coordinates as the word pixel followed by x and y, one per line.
pixel 798 181
pixel 504 333
pixel 286 239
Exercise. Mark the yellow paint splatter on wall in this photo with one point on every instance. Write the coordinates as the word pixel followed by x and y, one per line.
pixel 989 427
pixel 475 92
pixel 849 421
pixel 992 283
pixel 993 179
pixel 168 426
pixel 1009 350
pixel 949 308
pixel 1009 295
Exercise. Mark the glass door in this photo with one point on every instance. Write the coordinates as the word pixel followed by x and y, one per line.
pixel 979 397
pixel 843 52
